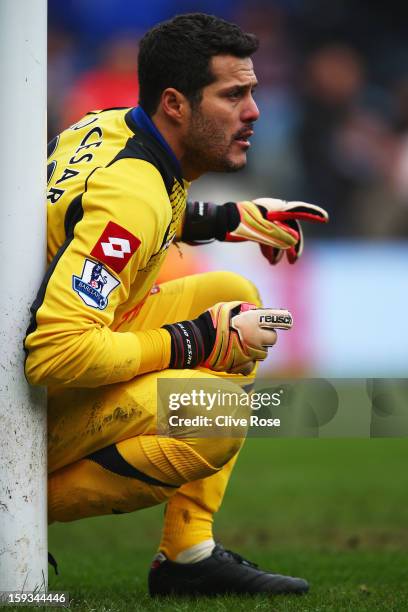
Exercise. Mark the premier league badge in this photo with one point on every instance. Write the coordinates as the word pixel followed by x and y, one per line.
pixel 95 284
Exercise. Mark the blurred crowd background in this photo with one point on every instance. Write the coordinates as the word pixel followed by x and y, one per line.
pixel 333 95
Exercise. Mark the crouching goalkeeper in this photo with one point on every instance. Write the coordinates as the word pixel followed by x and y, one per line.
pixel 102 333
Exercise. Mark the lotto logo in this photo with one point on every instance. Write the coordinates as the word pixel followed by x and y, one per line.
pixel 115 247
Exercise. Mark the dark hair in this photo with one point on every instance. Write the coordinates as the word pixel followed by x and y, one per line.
pixel 177 53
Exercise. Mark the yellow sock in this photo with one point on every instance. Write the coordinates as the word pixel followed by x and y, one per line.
pixel 185 526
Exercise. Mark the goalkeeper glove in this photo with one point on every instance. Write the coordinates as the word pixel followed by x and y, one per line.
pixel 229 337
pixel 289 214
pixel 272 223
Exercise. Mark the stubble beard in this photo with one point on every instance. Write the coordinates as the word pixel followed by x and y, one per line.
pixel 207 147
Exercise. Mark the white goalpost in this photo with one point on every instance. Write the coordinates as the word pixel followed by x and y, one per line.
pixel 23 103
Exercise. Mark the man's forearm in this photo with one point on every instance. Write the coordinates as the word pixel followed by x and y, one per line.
pixel 96 357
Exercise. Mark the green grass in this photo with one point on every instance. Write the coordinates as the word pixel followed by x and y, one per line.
pixel 332 511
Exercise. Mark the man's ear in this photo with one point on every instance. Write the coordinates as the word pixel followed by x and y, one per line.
pixel 174 104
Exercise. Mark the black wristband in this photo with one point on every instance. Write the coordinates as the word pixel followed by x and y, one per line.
pixel 191 341
pixel 228 219
pixel 205 221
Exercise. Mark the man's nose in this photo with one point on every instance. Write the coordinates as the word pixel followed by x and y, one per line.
pixel 251 112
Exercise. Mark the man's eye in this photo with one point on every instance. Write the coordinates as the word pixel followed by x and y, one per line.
pixel 234 94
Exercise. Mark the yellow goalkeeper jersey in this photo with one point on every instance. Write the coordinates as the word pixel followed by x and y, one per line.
pixel 115 198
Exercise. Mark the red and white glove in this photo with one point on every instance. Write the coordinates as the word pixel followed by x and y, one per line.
pixel 289 214
pixel 274 224
pixel 254 225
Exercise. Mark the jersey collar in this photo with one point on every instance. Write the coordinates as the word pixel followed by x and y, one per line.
pixel 143 121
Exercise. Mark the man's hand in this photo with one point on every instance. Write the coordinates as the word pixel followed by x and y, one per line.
pixel 243 335
pixel 254 225
pixel 289 214
pixel 274 224
pixel 228 337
